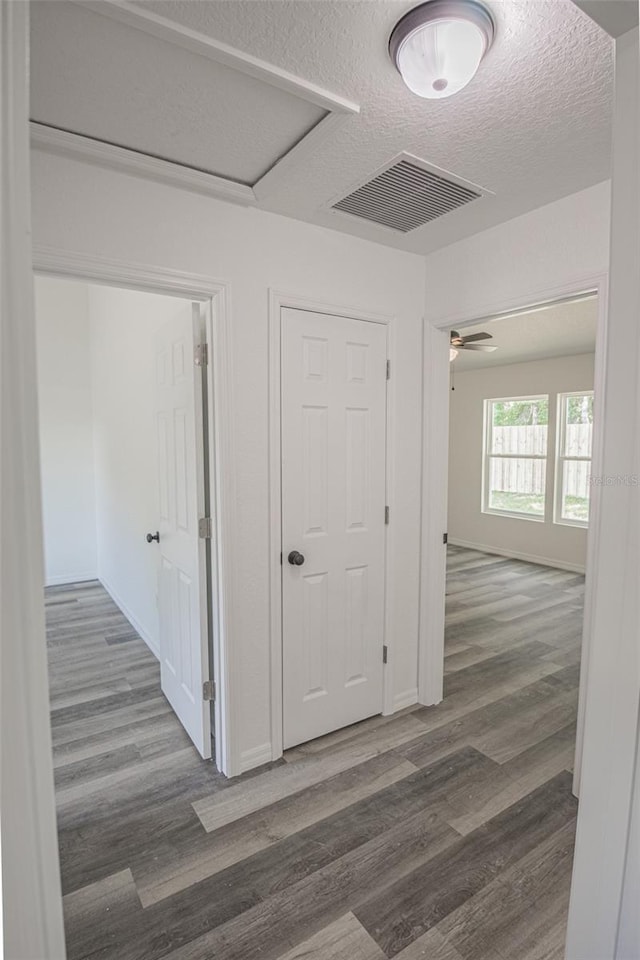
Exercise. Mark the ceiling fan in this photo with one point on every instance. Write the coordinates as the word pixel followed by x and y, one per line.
pixel 458 343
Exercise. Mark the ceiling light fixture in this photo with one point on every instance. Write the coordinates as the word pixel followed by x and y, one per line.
pixel 453 353
pixel 437 47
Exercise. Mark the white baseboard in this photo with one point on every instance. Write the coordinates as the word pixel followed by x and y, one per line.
pixel 70 578
pixel 137 626
pixel 255 757
pixel 516 555
pixel 405 699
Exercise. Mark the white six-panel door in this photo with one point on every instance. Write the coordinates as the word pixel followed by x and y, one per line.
pixel 184 654
pixel 333 437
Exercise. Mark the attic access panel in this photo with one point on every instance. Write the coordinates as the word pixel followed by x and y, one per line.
pixel 407 194
pixel 108 73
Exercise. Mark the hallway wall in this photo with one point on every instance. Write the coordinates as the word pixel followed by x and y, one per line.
pixel 66 430
pixel 99 212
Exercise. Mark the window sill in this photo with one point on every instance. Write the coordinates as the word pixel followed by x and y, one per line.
pixel 582 524
pixel 512 515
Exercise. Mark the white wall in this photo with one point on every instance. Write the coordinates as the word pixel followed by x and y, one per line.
pixel 66 430
pixel 99 212
pixel 123 323
pixel 543 541
pixel 562 243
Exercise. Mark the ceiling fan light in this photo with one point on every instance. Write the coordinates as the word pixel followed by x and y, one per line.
pixel 453 353
pixel 437 47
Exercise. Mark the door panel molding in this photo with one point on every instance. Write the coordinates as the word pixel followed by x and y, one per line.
pixel 279 300
pixel 215 293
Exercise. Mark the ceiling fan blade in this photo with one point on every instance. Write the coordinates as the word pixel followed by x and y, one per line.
pixel 477 336
pixel 478 346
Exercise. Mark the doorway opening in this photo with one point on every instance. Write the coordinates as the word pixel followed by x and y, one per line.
pixel 131 582
pixel 523 432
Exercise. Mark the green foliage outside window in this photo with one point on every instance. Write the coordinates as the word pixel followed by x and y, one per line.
pixel 580 409
pixel 521 413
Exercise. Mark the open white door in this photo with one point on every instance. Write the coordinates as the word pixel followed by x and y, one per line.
pixel 334 388
pixel 182 587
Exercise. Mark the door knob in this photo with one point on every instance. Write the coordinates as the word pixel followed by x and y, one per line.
pixel 153 536
pixel 295 559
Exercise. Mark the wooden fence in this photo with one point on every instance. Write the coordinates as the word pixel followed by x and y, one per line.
pixel 528 476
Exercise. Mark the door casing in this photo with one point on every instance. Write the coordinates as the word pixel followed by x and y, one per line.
pixel 277 301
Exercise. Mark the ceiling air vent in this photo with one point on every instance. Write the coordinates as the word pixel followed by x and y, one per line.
pixel 405 196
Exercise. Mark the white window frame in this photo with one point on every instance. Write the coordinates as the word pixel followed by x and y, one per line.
pixel 561 458
pixel 487 456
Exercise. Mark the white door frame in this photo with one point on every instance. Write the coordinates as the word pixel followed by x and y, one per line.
pixel 32 904
pixel 159 280
pixel 435 477
pixel 277 301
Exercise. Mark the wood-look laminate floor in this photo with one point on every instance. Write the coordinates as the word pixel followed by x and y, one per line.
pixel 442 833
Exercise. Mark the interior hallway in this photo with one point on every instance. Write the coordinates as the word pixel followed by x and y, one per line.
pixel 443 832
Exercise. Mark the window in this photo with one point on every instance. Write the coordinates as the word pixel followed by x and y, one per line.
pixel 515 466
pixel 573 466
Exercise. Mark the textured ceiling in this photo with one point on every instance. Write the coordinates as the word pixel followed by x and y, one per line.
pixel 560 330
pixel 97 77
pixel 533 125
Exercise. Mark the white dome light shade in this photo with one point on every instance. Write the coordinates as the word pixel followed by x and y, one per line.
pixel 441 58
pixel 438 46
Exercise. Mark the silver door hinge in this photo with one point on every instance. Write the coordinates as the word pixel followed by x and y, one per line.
pixel 385 653
pixel 388 369
pixel 205 528
pixel 208 690
pixel 201 355
pixel 386 515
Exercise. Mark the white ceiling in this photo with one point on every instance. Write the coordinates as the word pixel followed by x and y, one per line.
pixel 560 330
pixel 533 126
pixel 97 77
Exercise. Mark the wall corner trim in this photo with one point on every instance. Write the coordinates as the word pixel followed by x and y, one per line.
pixel 32 897
pixel 255 757
pixel 406 698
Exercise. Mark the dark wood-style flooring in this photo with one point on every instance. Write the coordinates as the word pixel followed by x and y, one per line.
pixel 442 833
